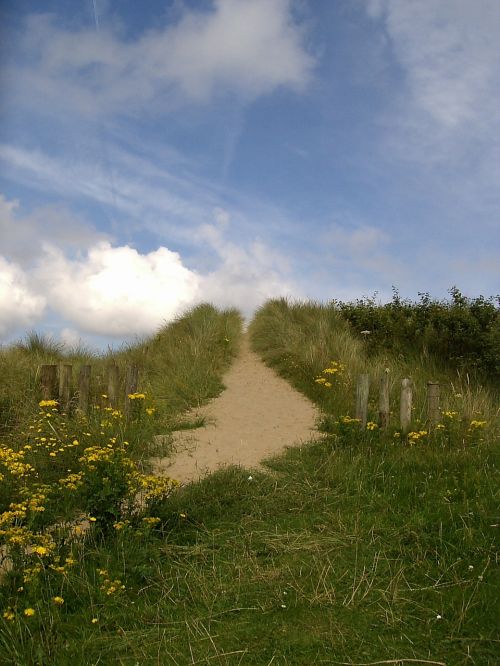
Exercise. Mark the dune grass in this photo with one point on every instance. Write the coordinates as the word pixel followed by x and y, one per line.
pixel 301 339
pixel 181 366
pixel 358 549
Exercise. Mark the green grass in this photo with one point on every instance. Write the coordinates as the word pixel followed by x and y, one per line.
pixel 300 339
pixel 356 549
pixel 344 554
pixel 180 367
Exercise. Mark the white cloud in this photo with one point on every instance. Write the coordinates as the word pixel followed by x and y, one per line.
pixel 20 306
pixel 123 190
pixel 443 115
pixel 93 287
pixel 450 51
pixel 70 337
pixel 245 47
pixel 246 275
pixel 117 291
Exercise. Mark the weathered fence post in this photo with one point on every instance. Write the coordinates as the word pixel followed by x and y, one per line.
pixel 432 403
pixel 65 372
pixel 406 403
pixel 84 388
pixel 112 382
pixel 131 385
pixel 383 404
pixel 48 381
pixel 362 390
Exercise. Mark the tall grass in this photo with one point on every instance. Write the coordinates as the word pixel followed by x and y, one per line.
pixel 354 550
pixel 181 365
pixel 301 339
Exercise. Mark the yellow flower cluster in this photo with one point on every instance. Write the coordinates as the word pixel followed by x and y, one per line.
pixel 12 462
pixel 72 481
pixel 48 403
pixel 348 420
pixel 334 370
pixel 109 586
pixel 93 455
pixel 478 424
pixel 151 487
pixel 415 436
pixel 150 521
pixel 371 425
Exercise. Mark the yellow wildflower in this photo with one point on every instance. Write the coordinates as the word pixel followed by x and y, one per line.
pixel 41 550
pixel 48 403
pixel 58 601
pixel 29 612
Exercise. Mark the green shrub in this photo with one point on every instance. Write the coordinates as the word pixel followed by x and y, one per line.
pixel 463 332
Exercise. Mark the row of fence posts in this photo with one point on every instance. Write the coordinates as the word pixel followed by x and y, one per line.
pixel 56 384
pixel 405 412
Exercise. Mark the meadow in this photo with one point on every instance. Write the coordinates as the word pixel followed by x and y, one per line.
pixel 370 546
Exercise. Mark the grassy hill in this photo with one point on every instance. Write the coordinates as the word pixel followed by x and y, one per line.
pixel 368 547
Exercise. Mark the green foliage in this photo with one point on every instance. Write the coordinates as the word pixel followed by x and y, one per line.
pixel 316 349
pixel 463 332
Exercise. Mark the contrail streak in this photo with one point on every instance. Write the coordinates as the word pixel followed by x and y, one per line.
pixel 96 18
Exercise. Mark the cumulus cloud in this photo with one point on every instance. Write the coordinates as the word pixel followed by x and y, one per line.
pixel 246 47
pixel 20 305
pixel 93 287
pixel 117 291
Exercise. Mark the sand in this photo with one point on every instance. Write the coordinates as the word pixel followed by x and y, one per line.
pixel 257 416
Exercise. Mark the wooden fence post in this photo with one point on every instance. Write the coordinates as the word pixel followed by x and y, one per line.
pixel 84 388
pixel 406 403
pixel 362 390
pixel 432 403
pixel 48 382
pixel 131 385
pixel 384 406
pixel 112 382
pixel 65 372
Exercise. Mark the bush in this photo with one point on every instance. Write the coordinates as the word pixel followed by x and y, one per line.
pixel 463 332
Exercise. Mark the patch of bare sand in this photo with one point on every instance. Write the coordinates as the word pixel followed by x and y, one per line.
pixel 257 416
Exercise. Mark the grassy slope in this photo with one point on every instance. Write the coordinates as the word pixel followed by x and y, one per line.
pixel 181 366
pixel 349 552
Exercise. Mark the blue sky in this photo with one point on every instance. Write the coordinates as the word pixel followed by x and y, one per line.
pixel 155 155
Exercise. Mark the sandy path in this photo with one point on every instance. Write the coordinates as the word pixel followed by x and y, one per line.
pixel 257 416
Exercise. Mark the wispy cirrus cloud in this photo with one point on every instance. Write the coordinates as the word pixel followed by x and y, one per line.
pixel 443 118
pixel 448 53
pixel 245 47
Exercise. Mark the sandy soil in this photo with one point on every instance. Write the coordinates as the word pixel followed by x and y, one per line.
pixel 257 416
